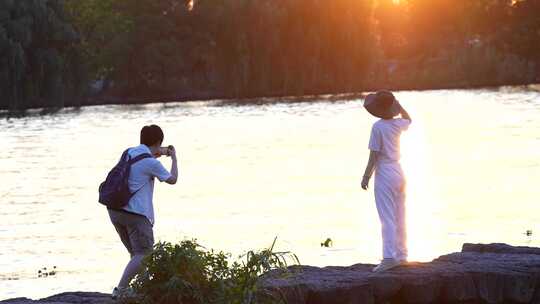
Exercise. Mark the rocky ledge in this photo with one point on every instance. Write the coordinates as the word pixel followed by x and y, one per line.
pixel 495 273
pixel 67 298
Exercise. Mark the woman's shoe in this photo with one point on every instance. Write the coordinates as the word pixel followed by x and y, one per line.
pixel 387 264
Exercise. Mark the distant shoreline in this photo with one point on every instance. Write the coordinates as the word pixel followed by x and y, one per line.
pixel 102 100
pixel 255 99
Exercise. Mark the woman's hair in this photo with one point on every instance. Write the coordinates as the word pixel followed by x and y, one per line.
pixel 151 135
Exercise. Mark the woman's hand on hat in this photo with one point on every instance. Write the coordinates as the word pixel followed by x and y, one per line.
pixel 398 104
pixel 403 112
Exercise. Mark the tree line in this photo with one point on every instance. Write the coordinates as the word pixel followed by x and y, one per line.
pixel 54 52
pixel 39 62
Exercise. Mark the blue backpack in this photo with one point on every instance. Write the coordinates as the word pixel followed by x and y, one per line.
pixel 114 191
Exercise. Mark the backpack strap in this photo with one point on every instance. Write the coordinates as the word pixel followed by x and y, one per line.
pixel 125 156
pixel 136 159
pixel 139 157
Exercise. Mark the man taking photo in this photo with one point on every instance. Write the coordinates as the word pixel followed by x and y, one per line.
pixel 134 221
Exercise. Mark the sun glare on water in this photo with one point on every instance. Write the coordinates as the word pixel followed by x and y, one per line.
pixel 421 202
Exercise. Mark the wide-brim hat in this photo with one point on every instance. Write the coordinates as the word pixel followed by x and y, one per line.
pixel 382 104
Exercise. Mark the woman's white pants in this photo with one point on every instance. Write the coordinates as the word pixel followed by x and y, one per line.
pixel 390 200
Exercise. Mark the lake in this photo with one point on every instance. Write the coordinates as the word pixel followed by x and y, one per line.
pixel 250 173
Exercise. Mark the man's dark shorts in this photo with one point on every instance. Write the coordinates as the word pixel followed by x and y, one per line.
pixel 135 231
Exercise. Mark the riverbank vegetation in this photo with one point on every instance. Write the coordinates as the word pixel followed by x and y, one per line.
pixel 40 65
pixel 71 52
pixel 188 273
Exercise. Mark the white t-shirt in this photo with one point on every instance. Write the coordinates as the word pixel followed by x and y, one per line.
pixel 141 177
pixel 384 138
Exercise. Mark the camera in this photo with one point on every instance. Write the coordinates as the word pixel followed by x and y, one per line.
pixel 164 151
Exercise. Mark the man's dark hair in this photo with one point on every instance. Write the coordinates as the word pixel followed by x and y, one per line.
pixel 151 135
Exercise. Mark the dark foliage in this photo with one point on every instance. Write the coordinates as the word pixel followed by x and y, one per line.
pixel 38 65
pixel 168 49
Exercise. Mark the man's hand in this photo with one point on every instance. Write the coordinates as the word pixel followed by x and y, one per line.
pixel 171 152
pixel 365 182
pixel 174 166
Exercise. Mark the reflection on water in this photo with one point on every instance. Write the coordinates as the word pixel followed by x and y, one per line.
pixel 250 173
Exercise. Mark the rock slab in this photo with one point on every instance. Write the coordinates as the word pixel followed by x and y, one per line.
pixel 67 298
pixel 494 273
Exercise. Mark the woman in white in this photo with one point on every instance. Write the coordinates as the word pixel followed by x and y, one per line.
pixel 389 178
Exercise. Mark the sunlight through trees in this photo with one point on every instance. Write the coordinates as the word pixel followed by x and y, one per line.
pixel 167 49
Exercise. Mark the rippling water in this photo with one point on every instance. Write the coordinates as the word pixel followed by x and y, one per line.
pixel 250 173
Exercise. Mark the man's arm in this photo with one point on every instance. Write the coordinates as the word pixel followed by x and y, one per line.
pixel 369 168
pixel 174 167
